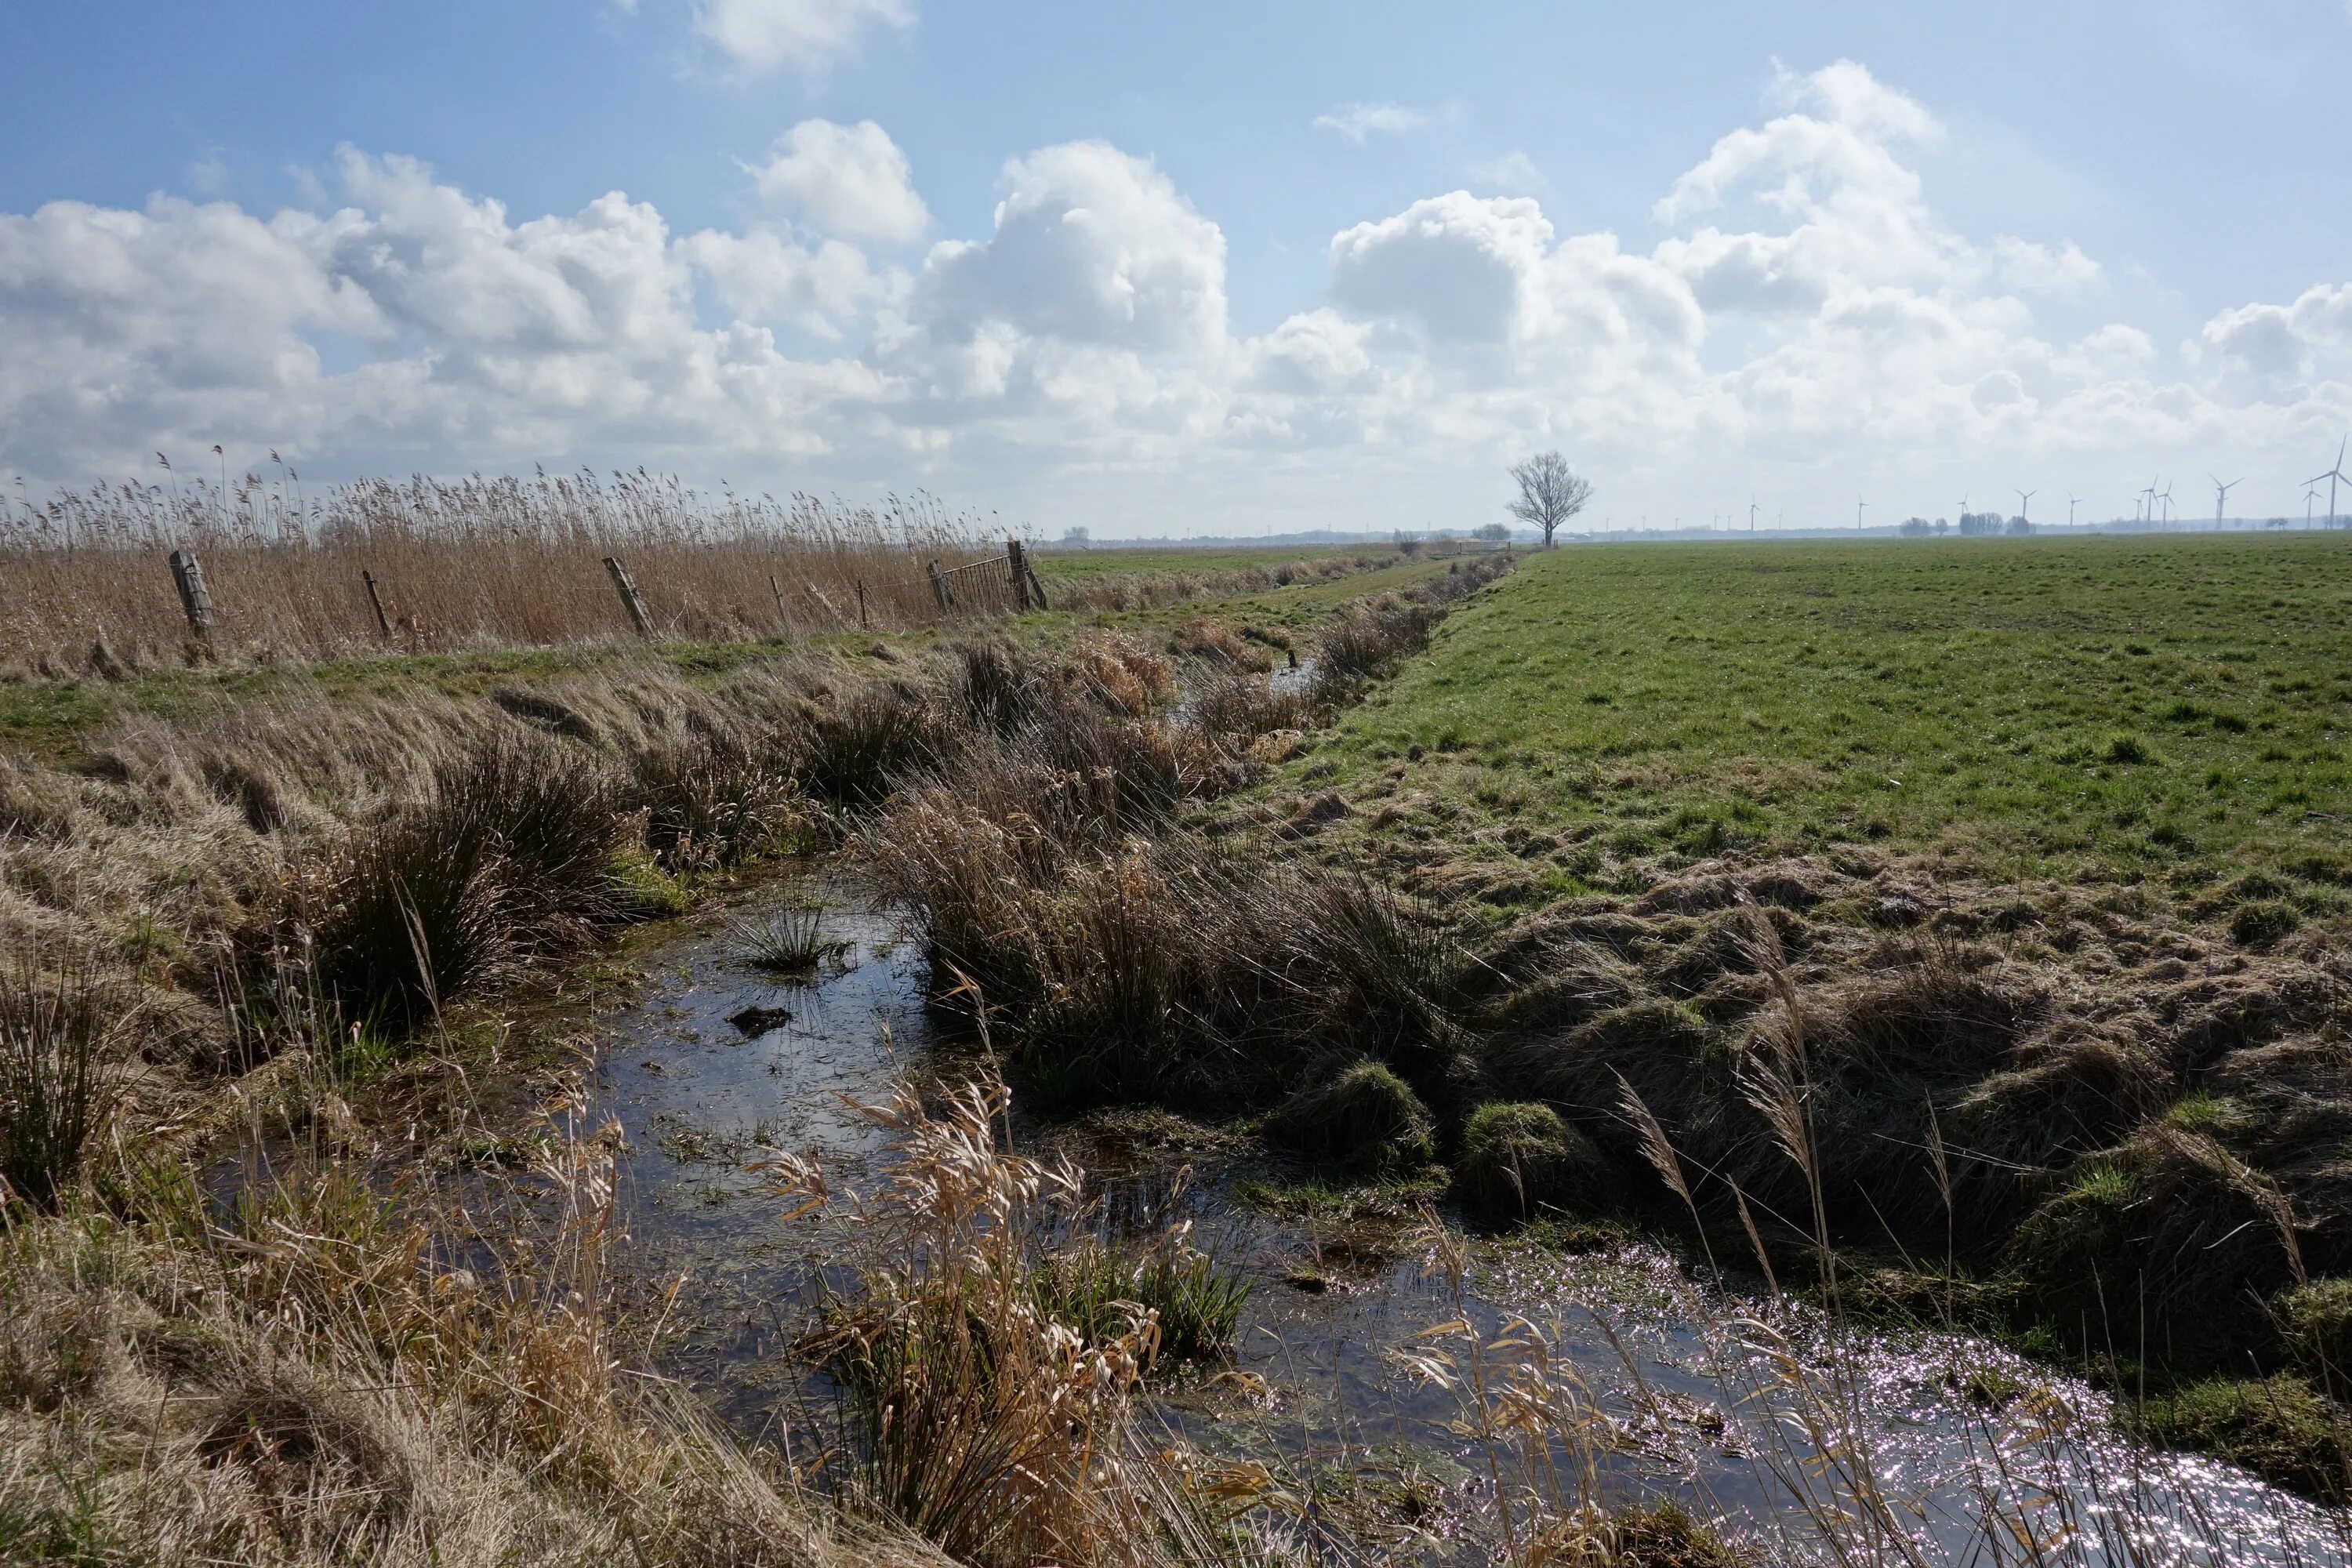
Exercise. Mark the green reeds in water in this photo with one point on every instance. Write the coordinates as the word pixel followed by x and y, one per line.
pixel 791 940
pixel 1096 1289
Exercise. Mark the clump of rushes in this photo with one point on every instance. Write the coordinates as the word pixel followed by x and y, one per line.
pixel 553 809
pixel 1096 1289
pixel 859 748
pixel 1176 971
pixel 415 914
pixel 712 798
pixel 59 1078
pixel 789 940
pixel 1521 1159
pixel 1368 646
pixel 1246 706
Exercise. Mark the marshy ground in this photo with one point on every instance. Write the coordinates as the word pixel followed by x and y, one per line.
pixel 1833 942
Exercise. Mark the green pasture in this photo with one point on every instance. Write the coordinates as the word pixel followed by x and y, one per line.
pixel 2128 706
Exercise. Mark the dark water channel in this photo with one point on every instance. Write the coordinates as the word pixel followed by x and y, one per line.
pixel 1679 1402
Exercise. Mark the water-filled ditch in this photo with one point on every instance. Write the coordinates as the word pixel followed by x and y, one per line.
pixel 716 1063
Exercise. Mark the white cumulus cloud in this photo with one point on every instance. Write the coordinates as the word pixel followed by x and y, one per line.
pixel 1091 246
pixel 846 180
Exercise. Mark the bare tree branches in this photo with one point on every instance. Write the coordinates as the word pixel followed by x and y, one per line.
pixel 1550 494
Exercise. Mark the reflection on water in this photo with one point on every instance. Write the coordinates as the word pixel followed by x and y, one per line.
pixel 1665 1409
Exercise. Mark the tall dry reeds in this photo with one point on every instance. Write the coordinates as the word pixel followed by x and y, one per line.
pixel 457 564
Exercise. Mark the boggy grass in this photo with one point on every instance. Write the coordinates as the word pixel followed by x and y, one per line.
pixel 1120 955
pixel 1970 1114
pixel 991 1383
pixel 1175 969
pixel 319 1373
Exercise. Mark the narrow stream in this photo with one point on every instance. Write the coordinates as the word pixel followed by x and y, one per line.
pixel 1676 1414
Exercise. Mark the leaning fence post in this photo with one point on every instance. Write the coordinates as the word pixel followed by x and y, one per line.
pixel 861 604
pixel 188 576
pixel 632 601
pixel 939 588
pixel 1037 589
pixel 784 621
pixel 382 621
pixel 1017 566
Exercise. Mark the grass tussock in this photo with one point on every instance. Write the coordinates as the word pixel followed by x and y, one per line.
pixel 1520 1160
pixel 792 941
pixel 1361 1117
pixel 991 1384
pixel 61 1077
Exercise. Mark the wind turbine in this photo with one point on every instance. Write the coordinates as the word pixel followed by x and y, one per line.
pixel 2025 500
pixel 2167 498
pixel 2221 495
pixel 2331 476
pixel 1858 506
pixel 2309 497
pixel 1751 514
pixel 2073 500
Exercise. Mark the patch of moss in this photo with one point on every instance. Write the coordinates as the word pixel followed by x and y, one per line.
pixel 2280 1427
pixel 1519 1158
pixel 2317 1321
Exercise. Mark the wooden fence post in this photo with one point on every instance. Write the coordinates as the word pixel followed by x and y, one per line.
pixel 784 621
pixel 861 604
pixel 1036 588
pixel 939 588
pixel 1017 564
pixel 382 621
pixel 188 576
pixel 632 601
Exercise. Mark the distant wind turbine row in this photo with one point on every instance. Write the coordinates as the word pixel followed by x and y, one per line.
pixel 2152 504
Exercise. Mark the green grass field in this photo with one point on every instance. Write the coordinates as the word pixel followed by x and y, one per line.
pixel 2132 707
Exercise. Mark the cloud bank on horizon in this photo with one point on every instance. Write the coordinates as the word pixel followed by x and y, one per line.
pixel 1806 321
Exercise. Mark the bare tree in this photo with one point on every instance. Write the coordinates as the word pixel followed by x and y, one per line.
pixel 1549 493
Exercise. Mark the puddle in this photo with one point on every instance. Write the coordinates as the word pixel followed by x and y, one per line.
pixel 1694 1416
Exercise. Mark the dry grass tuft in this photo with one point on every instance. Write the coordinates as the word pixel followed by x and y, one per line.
pixel 992 1386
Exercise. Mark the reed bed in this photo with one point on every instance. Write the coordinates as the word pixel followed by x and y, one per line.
pixel 457 564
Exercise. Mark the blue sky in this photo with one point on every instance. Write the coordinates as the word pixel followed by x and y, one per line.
pixel 1215 267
